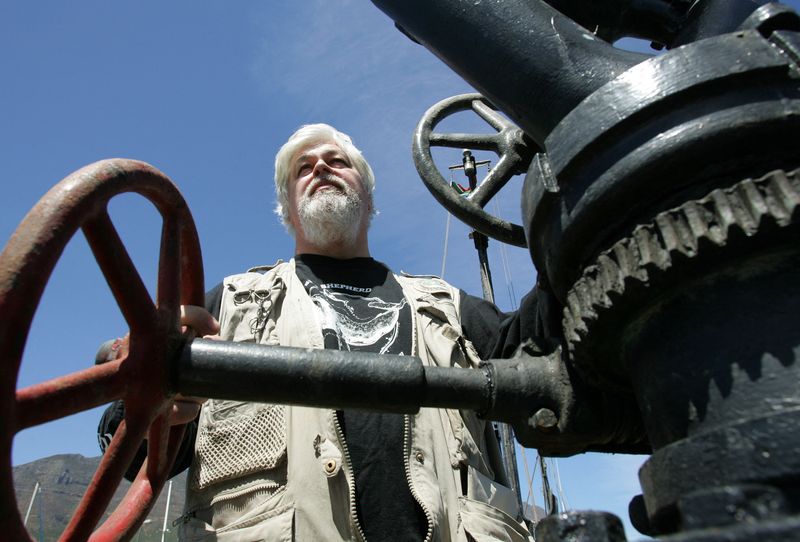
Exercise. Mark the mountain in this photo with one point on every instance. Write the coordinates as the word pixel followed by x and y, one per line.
pixel 63 480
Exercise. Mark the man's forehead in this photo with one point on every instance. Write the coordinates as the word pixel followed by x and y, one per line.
pixel 317 149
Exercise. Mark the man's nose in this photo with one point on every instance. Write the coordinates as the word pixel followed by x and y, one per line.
pixel 321 166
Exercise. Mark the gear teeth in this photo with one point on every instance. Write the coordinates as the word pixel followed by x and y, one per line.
pixel 651 253
pixel 687 243
pixel 680 232
pixel 698 227
pixel 578 326
pixel 670 237
pixel 724 215
pixel 609 276
pixel 755 204
pixel 783 199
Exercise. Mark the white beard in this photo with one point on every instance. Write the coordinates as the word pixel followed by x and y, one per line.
pixel 331 216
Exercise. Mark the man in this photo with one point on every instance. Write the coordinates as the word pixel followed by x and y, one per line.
pixel 271 472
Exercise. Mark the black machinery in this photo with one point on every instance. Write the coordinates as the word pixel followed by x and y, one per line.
pixel 660 207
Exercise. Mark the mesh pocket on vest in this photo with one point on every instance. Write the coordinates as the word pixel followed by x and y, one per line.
pixel 240 445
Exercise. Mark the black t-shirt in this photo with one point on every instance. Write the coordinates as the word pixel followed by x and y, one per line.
pixel 361 307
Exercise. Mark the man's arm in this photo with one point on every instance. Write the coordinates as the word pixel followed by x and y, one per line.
pixel 115 413
pixel 497 335
pixel 111 419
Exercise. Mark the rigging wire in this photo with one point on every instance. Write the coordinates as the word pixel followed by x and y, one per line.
pixel 446 231
pixel 552 502
pixel 561 494
pixel 512 295
pixel 530 495
pixel 446 240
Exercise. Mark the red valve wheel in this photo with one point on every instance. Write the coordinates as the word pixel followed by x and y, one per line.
pixel 140 378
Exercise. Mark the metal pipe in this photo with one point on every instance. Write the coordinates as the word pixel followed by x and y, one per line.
pixel 528 59
pixel 534 394
pixel 325 378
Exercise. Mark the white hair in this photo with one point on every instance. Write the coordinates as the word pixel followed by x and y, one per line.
pixel 304 137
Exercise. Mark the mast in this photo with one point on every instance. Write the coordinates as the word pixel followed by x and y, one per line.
pixel 507 447
pixel 166 511
pixel 30 504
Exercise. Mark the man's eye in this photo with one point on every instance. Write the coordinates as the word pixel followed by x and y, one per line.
pixel 339 162
pixel 305 168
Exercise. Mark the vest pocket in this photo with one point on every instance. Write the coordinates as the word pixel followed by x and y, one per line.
pixel 273 526
pixel 235 439
pixel 484 523
pixel 258 519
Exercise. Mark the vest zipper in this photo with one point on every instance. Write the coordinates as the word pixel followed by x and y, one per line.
pixel 406 454
pixel 348 466
pixel 407 437
pixel 239 493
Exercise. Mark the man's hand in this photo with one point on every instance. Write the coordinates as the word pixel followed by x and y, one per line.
pixel 193 318
pixel 199 320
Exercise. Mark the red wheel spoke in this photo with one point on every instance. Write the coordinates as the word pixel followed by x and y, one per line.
pixel 164 441
pixel 68 394
pixel 163 444
pixel 169 269
pixel 126 285
pixel 113 465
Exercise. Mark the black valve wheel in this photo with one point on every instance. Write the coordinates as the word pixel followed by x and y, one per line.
pixel 509 142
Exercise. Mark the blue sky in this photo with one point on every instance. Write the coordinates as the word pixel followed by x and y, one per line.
pixel 207 92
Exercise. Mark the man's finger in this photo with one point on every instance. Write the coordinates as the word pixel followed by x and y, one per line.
pixel 199 319
pixel 111 349
pixel 183 412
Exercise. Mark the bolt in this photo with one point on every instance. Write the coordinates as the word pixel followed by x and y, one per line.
pixel 545 420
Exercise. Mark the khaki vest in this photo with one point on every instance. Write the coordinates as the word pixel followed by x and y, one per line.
pixel 272 472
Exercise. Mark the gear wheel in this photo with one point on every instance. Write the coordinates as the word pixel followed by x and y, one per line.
pixel 670 248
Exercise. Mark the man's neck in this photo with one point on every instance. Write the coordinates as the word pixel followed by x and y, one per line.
pixel 334 250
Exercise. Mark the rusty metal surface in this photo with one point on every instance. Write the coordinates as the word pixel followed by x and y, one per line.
pixel 146 486
pixel 79 201
pixel 72 393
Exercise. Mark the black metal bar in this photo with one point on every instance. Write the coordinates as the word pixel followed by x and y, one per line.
pixel 520 54
pixel 325 378
pixel 456 388
pixel 533 394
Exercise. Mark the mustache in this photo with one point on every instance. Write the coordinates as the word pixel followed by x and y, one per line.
pixel 326 178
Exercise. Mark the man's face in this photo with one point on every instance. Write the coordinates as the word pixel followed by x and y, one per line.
pixel 326 194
